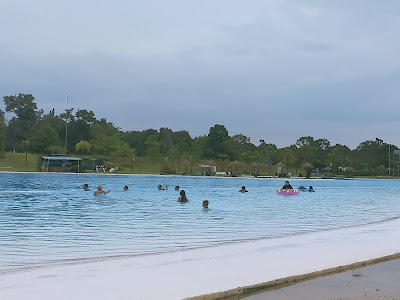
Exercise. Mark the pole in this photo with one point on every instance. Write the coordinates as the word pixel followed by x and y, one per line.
pixel 389 159
pixel 66 122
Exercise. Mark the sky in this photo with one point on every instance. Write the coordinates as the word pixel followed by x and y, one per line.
pixel 268 69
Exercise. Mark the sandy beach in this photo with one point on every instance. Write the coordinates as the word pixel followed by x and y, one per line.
pixel 204 273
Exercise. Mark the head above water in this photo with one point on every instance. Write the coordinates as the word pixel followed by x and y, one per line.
pixel 205 203
pixel 99 188
pixel 125 188
pixel 182 193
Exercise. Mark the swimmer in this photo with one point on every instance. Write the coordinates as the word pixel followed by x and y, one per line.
pixel 100 191
pixel 85 187
pixel 166 187
pixel 125 188
pixel 177 188
pixel 205 204
pixel 302 188
pixel 243 190
pixel 311 189
pixel 160 187
pixel 183 197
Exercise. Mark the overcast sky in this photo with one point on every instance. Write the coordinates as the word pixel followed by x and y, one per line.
pixel 273 70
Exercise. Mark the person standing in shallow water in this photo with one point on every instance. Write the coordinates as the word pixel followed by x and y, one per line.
pixel 183 197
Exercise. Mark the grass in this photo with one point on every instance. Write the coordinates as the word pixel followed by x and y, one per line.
pixel 16 163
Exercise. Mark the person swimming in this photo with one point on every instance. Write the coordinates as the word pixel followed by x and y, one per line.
pixel 311 189
pixel 205 204
pixel 243 190
pixel 100 191
pixel 125 188
pixel 85 187
pixel 183 197
pixel 302 188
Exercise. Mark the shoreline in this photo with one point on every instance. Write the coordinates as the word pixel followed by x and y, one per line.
pixel 194 274
pixel 279 283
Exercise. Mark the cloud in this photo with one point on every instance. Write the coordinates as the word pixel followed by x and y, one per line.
pixel 276 70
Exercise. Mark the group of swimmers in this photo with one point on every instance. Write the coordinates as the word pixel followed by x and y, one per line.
pixel 288 186
pixel 99 190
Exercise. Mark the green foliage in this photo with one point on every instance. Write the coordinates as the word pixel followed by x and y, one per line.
pixel 23 106
pixel 83 146
pixel 2 133
pixel 154 146
pixel 110 145
pixel 31 130
pixel 216 138
pixel 45 138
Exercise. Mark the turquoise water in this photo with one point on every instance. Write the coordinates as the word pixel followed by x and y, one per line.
pixel 49 219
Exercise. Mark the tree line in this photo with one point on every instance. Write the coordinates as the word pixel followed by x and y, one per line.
pixel 30 129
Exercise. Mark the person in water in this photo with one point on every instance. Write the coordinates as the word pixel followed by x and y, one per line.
pixel 100 191
pixel 177 188
pixel 85 187
pixel 311 189
pixel 125 188
pixel 287 186
pixel 243 190
pixel 205 204
pixel 160 187
pixel 183 197
pixel 302 188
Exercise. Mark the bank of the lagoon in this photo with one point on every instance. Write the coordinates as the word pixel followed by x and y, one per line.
pixel 58 241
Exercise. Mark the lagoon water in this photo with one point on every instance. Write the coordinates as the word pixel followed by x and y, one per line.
pixel 48 219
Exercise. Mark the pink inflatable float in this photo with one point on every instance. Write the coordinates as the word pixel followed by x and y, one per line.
pixel 288 192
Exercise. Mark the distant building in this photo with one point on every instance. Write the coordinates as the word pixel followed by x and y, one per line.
pixel 59 163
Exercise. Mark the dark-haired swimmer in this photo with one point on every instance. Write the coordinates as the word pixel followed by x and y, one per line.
pixel 243 190
pixel 205 204
pixel 85 187
pixel 183 197
pixel 287 186
pixel 125 188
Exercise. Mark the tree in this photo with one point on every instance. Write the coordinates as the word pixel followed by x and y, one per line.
pixel 23 106
pixel 79 130
pixel 305 145
pixel 217 135
pixel 45 138
pixel 83 145
pixel 2 133
pixel 85 115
